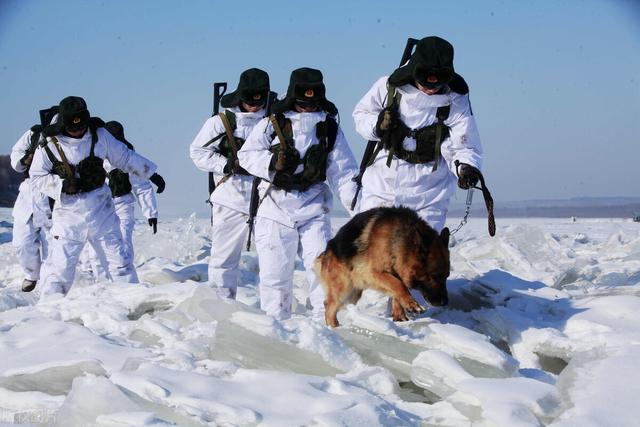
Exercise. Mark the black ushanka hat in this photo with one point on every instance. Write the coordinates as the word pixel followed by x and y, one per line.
pixel 305 85
pixel 117 130
pixel 253 88
pixel 72 115
pixel 432 61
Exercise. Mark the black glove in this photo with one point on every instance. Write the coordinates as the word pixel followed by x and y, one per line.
pixel 158 181
pixel 27 159
pixel 71 185
pixel 153 222
pixel 388 119
pixel 286 161
pixel 468 176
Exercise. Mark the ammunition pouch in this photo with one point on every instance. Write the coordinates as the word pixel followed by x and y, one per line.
pixel 59 169
pixel 225 148
pixel 426 145
pixel 227 151
pixel 92 173
pixel 119 183
pixel 314 162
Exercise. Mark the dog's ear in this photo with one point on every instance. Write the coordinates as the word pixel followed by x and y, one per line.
pixel 444 236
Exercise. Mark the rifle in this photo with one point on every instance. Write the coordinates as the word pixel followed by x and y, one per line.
pixel 46 116
pixel 367 156
pixel 219 89
pixel 254 202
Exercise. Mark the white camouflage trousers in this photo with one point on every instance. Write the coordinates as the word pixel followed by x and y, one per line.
pixel 277 247
pixel 228 237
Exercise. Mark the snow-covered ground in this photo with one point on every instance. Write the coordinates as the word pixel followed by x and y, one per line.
pixel 543 328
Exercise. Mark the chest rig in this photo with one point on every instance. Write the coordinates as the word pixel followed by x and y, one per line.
pixel 314 162
pixel 428 138
pixel 90 169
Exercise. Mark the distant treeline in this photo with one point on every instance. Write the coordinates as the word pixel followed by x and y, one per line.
pixel 9 182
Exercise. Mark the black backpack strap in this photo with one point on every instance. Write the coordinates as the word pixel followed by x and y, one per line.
pixel 284 124
pixel 44 144
pixel 442 114
pixel 327 132
pixel 94 124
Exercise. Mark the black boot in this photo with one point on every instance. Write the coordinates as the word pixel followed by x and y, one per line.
pixel 28 285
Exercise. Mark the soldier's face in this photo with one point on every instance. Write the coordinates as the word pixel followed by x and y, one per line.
pixel 251 108
pixel 429 90
pixel 76 133
pixel 305 107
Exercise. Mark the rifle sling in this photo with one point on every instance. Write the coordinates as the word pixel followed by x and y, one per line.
pixel 212 140
pixel 276 128
pixel 393 99
pixel 229 132
pixel 63 157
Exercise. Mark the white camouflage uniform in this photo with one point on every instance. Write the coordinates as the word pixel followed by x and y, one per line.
pixel 417 186
pixel 31 217
pixel 294 222
pixel 229 201
pixel 89 216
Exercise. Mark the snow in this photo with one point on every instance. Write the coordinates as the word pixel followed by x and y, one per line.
pixel 542 329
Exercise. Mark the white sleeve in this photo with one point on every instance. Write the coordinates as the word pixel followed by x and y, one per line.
pixel 208 158
pixel 42 179
pixel 341 169
pixel 463 143
pixel 18 151
pixel 368 108
pixel 145 195
pixel 124 159
pixel 254 156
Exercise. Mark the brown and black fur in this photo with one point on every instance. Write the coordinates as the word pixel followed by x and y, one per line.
pixel 390 250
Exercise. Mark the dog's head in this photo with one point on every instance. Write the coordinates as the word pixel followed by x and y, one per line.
pixel 431 278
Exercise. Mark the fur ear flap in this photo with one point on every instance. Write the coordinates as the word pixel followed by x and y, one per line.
pixel 444 235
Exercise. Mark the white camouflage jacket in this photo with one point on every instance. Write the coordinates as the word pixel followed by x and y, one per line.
pixel 417 185
pixel 235 191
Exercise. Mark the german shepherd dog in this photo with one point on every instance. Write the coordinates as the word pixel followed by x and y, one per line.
pixel 390 250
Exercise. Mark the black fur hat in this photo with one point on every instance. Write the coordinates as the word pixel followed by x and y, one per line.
pixel 253 88
pixel 305 85
pixel 117 130
pixel 431 62
pixel 72 115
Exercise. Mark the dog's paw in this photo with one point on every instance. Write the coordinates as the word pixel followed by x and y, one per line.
pixel 400 317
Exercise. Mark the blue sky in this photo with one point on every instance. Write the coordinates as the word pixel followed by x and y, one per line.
pixel 555 85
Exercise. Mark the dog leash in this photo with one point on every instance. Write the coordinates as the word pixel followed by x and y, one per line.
pixel 488 202
pixel 467 210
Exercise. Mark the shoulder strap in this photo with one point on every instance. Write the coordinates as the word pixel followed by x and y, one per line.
pixel 393 96
pixel 278 130
pixel 94 124
pixel 228 128
pixel 65 162
pixel 229 131
pixel 442 113
pixel 327 132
